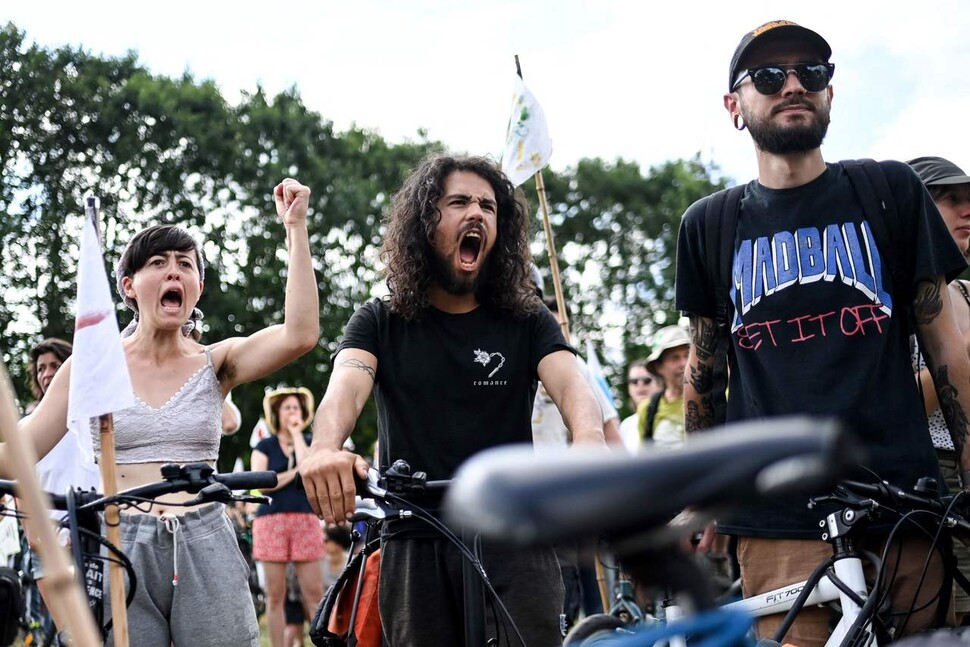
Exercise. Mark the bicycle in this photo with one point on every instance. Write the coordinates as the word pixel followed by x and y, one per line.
pixel 387 497
pixel 84 524
pixel 512 493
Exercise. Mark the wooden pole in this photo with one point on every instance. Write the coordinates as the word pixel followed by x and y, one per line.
pixel 563 322
pixel 112 519
pixel 109 483
pixel 20 459
pixel 553 260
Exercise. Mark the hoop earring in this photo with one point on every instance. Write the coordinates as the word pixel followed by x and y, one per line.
pixel 739 122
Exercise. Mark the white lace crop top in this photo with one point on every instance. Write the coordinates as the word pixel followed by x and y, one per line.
pixel 185 429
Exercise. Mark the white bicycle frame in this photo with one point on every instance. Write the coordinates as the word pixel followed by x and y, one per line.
pixel 848 569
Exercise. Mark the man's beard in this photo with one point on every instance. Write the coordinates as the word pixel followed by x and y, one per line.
pixel 453 283
pixel 794 138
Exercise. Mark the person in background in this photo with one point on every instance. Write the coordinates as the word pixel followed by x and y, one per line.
pixel 950 188
pixel 661 420
pixel 66 466
pixel 285 531
pixel 640 385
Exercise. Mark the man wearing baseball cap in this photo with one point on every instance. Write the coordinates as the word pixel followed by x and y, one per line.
pixel 816 320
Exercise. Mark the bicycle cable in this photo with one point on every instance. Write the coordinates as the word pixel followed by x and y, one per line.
pixel 420 513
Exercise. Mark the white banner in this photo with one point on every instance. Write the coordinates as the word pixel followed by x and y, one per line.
pixel 100 382
pixel 527 144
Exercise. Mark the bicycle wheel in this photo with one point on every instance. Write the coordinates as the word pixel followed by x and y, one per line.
pixel 594 629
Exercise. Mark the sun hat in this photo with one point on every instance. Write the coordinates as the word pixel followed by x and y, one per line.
pixel 272 397
pixel 665 339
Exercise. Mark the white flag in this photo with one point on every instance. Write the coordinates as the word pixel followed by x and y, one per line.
pixel 527 143
pixel 100 382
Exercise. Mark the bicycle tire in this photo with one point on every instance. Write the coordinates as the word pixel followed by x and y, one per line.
pixel 592 629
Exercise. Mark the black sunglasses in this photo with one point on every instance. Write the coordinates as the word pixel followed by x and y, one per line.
pixel 770 79
pixel 640 380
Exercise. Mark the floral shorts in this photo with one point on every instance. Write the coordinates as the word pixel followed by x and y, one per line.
pixel 287 537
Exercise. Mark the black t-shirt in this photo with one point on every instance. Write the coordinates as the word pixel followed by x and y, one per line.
pixel 817 328
pixel 451 385
pixel 291 497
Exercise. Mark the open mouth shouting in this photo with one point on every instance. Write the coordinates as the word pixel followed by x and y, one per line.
pixel 172 300
pixel 470 247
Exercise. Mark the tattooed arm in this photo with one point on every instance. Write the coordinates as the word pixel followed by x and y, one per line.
pixel 328 471
pixel 699 376
pixel 947 359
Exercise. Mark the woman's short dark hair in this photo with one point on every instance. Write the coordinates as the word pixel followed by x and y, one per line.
pixel 147 243
pixel 61 349
pixel 408 250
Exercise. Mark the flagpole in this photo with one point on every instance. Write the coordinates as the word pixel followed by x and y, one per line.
pixel 563 323
pixel 57 570
pixel 109 482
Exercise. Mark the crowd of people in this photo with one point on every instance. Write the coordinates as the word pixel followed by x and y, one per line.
pixel 818 287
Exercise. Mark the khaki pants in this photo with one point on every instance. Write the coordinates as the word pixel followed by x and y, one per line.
pixel 767 564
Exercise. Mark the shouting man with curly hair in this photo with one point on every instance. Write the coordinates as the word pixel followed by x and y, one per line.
pixel 452 356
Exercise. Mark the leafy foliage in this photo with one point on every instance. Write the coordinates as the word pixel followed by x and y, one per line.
pixel 159 149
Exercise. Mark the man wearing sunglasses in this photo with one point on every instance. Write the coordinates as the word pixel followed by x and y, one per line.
pixel 816 316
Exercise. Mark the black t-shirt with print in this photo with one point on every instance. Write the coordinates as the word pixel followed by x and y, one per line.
pixel 817 328
pixel 451 385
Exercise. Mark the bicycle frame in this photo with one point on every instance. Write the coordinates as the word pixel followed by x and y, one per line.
pixel 848 569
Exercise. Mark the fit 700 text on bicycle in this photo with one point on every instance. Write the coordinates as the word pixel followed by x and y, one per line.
pixel 772 276
pixel 179 386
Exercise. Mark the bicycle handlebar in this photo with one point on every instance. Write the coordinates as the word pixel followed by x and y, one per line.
pixel 192 478
pixel 884 494
pixel 514 493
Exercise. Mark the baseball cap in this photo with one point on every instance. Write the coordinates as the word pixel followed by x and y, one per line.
pixel 775 30
pixel 665 339
pixel 935 171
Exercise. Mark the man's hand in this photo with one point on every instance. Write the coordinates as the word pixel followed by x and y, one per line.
pixel 328 478
pixel 292 201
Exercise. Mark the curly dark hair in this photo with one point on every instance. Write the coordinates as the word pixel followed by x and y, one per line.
pixel 408 249
pixel 61 349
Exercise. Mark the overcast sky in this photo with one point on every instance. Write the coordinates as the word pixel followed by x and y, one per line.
pixel 633 79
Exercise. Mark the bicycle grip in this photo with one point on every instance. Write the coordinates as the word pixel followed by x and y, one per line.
pixel 248 480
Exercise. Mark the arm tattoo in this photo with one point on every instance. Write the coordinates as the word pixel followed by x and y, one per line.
pixel 701 377
pixel 928 303
pixel 703 334
pixel 359 365
pixel 699 415
pixel 953 413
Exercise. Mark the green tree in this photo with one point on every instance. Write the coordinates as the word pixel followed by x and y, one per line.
pixel 615 230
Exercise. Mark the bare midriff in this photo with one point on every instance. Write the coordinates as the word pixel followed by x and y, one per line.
pixel 137 474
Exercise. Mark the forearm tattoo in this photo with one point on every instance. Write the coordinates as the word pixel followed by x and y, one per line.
pixel 953 413
pixel 701 377
pixel 703 334
pixel 699 414
pixel 928 303
pixel 360 366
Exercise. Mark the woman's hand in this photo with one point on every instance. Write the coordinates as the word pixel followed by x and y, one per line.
pixel 292 201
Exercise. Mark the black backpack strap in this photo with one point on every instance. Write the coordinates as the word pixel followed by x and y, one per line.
pixel 879 207
pixel 652 414
pixel 720 229
pixel 720 225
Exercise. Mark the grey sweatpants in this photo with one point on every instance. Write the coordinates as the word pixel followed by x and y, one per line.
pixel 210 605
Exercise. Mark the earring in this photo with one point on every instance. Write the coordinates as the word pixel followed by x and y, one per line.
pixel 739 122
